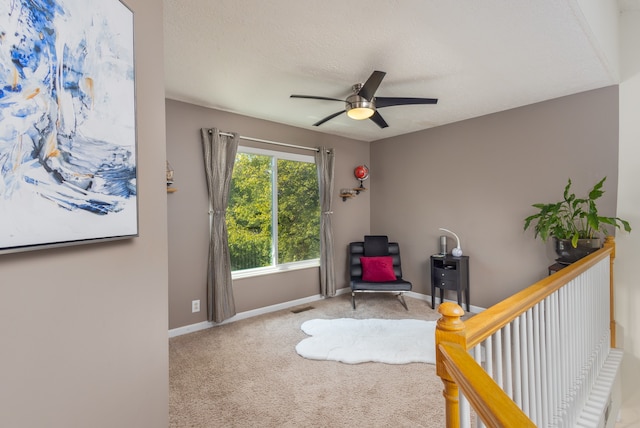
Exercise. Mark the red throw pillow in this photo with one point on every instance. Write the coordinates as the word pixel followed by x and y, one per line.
pixel 377 269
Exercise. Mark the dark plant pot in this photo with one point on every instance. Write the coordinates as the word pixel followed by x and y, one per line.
pixel 567 254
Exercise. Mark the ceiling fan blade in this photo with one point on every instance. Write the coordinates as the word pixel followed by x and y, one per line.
pixel 320 122
pixel 313 97
pixel 370 87
pixel 394 101
pixel 379 120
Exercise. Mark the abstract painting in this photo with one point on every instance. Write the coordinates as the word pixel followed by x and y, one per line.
pixel 67 123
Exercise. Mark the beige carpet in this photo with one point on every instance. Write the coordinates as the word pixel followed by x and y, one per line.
pixel 248 374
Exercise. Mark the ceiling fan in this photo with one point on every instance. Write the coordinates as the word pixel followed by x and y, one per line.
pixel 363 103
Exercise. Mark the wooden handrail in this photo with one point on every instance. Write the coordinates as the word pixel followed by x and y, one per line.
pixel 611 244
pixel 492 405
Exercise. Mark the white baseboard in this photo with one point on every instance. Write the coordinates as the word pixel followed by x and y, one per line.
pixel 179 331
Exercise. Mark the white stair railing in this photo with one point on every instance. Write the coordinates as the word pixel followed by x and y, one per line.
pixel 553 358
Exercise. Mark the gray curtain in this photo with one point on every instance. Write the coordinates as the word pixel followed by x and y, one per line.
pixel 219 157
pixel 324 163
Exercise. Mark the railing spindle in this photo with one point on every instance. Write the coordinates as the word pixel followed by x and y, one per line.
pixel 537 373
pixel 498 358
pixel 524 352
pixel 517 369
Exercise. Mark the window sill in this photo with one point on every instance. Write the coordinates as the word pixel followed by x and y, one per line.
pixel 249 273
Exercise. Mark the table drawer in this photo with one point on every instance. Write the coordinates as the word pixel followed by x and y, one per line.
pixel 446 284
pixel 444 274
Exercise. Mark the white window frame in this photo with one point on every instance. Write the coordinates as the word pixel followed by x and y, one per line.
pixel 275 267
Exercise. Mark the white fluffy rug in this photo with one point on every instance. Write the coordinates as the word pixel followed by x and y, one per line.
pixel 356 341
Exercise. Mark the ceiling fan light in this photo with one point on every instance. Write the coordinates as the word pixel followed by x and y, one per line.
pixel 360 113
pixel 359 108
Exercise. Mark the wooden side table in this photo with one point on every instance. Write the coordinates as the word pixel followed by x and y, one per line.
pixel 450 273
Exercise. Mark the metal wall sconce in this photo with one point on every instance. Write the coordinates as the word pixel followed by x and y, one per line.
pixel 361 172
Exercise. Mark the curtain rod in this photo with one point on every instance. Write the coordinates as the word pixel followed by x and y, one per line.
pixel 277 143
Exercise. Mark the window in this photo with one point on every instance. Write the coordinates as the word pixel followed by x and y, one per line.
pixel 273 218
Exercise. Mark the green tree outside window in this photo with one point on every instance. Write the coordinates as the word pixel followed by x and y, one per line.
pixel 253 210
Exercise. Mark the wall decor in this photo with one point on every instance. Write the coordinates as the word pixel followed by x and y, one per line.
pixel 67 123
pixel 361 172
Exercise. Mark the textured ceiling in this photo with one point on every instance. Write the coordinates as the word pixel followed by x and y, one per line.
pixel 476 57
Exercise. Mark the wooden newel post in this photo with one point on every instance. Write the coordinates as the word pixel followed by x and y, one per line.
pixel 450 329
pixel 610 241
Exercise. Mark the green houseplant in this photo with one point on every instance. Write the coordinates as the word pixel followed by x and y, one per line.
pixel 573 219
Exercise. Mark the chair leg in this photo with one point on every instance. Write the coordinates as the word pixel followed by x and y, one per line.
pixel 353 300
pixel 401 298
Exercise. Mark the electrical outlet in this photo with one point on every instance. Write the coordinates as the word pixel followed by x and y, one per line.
pixel 195 306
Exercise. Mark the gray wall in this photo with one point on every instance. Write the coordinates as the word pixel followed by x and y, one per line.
pixel 84 328
pixel 189 220
pixel 479 178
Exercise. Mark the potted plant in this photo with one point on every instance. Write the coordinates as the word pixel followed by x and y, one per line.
pixel 574 223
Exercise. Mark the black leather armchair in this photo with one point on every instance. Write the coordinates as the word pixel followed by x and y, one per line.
pixel 375 246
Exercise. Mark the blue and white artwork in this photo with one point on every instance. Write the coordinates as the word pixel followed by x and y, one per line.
pixel 67 123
